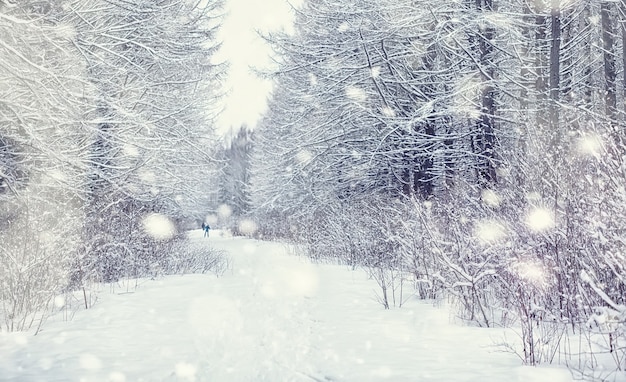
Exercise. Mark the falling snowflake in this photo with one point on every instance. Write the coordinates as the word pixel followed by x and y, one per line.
pixel 499 20
pixel 147 176
pixel 130 150
pixel 589 145
pixel 59 302
pixel 159 226
pixel 20 339
pixel 247 227
pixel 90 362
pixel 387 111
pixel 116 376
pixel 531 271
pixel 467 91
pixel 489 231
pixel 375 71
pixel 224 211
pixel 356 94
pixel 186 371
pixel 584 277
pixel 304 156
pixel 490 198
pixel 302 280
pixel 57 175
pixel 539 219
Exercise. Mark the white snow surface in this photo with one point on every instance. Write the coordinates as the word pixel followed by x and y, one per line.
pixel 272 317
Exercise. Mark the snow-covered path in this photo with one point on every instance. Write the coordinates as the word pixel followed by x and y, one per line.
pixel 271 317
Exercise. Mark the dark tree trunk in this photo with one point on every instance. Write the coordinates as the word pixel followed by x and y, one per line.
pixel 610 71
pixel 486 129
pixel 555 70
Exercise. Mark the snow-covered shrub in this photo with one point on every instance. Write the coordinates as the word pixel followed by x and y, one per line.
pixel 41 151
pixel 32 272
pixel 528 287
pixel 36 247
pixel 118 244
pixel 185 257
pixel 606 330
pixel 460 243
pixel 324 238
pixel 414 237
pixel 274 224
pixel 357 232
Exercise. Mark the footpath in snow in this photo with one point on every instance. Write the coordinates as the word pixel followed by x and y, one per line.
pixel 271 317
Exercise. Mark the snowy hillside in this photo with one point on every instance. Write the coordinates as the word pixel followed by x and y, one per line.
pixel 271 317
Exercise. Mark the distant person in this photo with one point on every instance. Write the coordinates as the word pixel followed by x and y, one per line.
pixel 206 228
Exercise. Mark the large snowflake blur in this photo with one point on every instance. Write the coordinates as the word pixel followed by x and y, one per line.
pixel 159 226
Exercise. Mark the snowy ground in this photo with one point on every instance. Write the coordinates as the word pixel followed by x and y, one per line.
pixel 271 317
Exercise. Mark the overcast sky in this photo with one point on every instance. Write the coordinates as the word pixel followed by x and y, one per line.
pixel 243 48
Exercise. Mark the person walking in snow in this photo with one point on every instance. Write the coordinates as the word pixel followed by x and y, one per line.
pixel 206 228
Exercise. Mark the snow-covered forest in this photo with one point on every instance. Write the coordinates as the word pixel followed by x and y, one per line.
pixel 106 141
pixel 473 149
pixel 471 152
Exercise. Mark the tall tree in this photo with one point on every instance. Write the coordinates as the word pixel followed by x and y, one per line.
pixel 43 96
pixel 235 177
pixel 151 123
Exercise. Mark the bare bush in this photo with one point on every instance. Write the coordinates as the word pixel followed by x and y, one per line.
pixel 35 252
pixel 192 257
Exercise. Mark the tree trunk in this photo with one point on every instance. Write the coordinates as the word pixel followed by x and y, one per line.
pixel 555 71
pixel 610 72
pixel 540 65
pixel 486 140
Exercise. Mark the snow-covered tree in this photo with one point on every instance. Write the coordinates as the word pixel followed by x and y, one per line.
pixel 106 110
pixel 503 117
pixel 43 96
pixel 151 121
pixel 234 198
